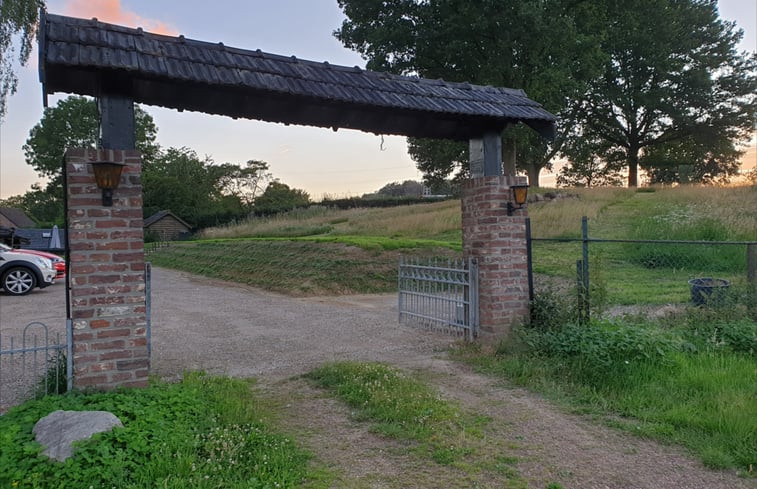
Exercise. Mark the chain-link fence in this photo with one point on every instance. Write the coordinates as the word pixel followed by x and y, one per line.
pixel 630 276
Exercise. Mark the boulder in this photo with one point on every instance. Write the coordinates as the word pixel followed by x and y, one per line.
pixel 57 431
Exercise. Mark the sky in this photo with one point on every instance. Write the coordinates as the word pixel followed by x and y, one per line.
pixel 320 161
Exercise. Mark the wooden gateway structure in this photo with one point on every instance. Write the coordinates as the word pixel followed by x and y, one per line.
pixel 120 66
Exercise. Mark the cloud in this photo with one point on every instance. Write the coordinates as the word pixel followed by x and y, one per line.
pixel 113 12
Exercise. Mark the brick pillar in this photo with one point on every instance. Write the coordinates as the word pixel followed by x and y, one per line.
pixel 498 241
pixel 107 267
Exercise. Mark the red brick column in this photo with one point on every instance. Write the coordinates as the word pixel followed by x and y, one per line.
pixel 498 241
pixel 107 273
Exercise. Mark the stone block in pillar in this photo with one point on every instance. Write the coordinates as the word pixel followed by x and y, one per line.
pixel 498 242
pixel 107 273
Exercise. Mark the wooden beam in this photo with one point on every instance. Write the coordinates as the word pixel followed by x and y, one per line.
pixel 117 127
pixel 485 155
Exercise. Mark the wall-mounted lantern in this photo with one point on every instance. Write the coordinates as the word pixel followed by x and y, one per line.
pixel 107 176
pixel 520 195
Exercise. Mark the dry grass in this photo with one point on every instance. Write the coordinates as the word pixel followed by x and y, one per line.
pixel 562 217
pixel 612 212
pixel 734 206
pixel 432 220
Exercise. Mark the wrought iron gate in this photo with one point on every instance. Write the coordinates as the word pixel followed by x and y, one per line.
pixel 441 296
pixel 40 365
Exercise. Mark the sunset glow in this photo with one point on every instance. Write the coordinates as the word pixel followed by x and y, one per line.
pixel 113 12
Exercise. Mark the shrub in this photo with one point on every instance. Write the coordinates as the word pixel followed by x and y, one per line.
pixel 601 345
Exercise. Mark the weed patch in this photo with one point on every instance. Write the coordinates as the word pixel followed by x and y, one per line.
pixel 401 407
pixel 691 381
pixel 203 432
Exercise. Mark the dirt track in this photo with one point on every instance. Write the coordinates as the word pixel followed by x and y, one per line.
pixel 229 329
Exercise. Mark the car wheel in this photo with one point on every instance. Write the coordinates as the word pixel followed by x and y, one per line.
pixel 19 281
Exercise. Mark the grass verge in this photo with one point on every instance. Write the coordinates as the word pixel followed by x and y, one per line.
pixel 692 383
pixel 400 407
pixel 204 432
pixel 292 267
pixel 404 408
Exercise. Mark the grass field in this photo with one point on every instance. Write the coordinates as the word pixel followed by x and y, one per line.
pixel 327 251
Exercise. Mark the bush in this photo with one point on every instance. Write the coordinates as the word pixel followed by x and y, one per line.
pixel 601 345
pixel 552 309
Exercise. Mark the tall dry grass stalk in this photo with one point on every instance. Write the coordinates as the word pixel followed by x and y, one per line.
pixel 562 217
pixel 735 207
pixel 416 221
pixel 611 211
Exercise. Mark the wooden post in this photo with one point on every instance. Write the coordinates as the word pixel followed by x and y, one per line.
pixel 117 126
pixel 486 155
pixel 508 158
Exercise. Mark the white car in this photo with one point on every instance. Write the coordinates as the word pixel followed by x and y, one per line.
pixel 21 272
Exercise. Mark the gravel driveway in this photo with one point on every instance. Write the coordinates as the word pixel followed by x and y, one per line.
pixel 224 328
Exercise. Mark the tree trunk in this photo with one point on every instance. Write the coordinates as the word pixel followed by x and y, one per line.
pixel 633 167
pixel 533 175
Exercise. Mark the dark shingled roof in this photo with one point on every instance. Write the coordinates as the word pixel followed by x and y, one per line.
pixel 160 215
pixel 40 239
pixel 93 58
pixel 17 217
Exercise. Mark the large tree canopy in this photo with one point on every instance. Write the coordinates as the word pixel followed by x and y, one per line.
pixel 674 90
pixel 18 24
pixel 199 191
pixel 545 47
pixel 74 123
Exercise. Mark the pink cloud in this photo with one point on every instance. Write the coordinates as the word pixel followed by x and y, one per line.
pixel 112 11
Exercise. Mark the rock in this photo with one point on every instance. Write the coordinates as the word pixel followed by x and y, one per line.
pixel 60 429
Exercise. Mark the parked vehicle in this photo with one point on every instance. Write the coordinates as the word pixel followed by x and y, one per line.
pixel 59 264
pixel 22 272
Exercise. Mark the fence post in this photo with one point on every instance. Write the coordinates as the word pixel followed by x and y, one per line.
pixel 69 355
pixel 529 262
pixel 582 292
pixel 472 298
pixel 751 263
pixel 585 267
pixel 148 307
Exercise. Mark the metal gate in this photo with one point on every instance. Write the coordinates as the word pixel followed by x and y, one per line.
pixel 39 365
pixel 440 296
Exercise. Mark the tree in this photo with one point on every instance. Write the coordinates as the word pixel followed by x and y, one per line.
pixel 408 188
pixel 74 123
pixel 692 159
pixel 43 207
pixel 546 47
pixel 190 187
pixel 245 182
pixel 278 197
pixel 18 18
pixel 586 168
pixel 673 81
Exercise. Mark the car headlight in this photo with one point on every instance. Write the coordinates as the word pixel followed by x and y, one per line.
pixel 43 262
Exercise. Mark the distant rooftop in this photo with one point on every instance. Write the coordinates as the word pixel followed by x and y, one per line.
pixel 89 57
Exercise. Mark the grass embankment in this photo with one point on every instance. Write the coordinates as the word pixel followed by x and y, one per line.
pixel 255 252
pixel 636 273
pixel 289 267
pixel 202 432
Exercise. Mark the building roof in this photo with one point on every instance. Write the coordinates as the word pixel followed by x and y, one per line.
pixel 40 239
pixel 160 215
pixel 17 217
pixel 89 57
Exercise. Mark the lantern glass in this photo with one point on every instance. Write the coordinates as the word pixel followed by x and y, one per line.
pixel 107 174
pixel 520 194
